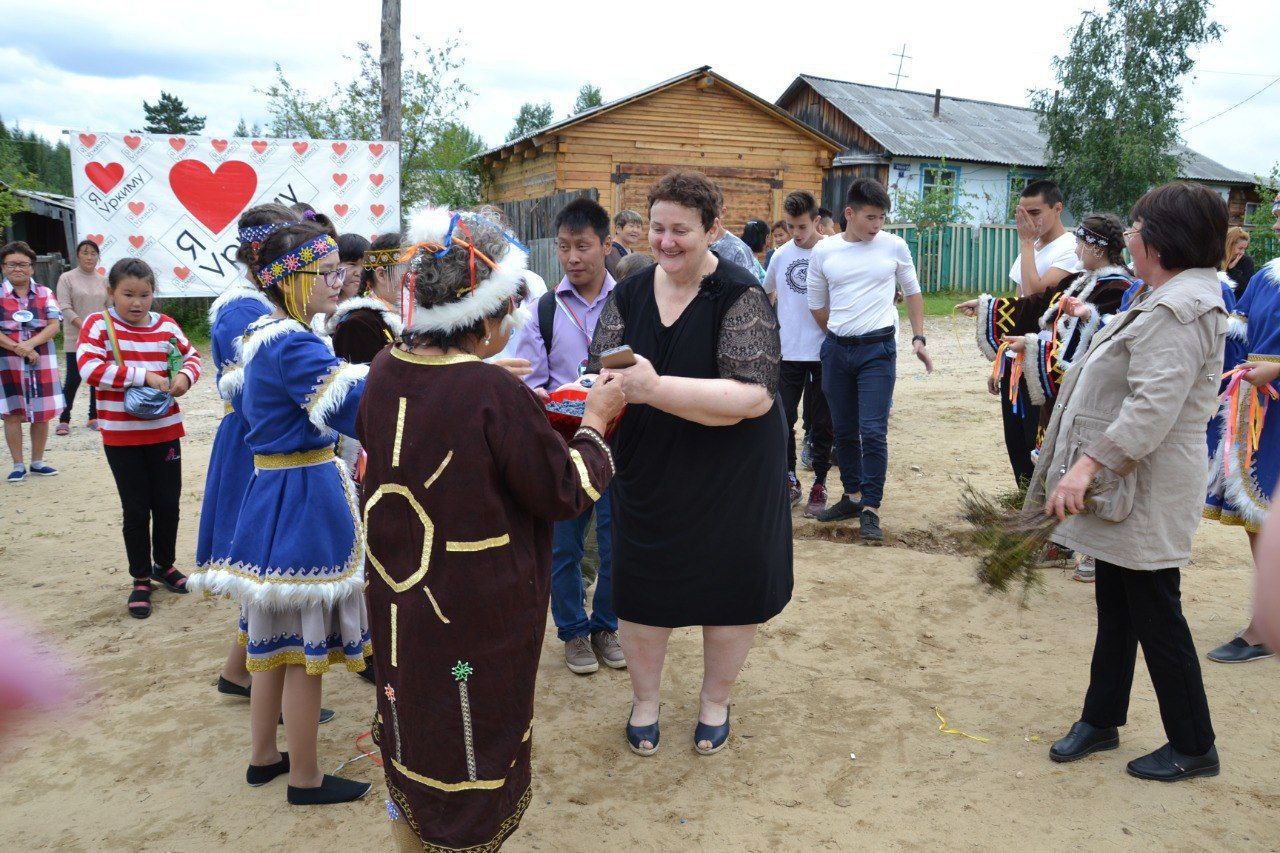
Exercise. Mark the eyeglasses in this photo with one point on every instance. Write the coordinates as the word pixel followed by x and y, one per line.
pixel 333 278
pixel 1130 231
pixel 21 265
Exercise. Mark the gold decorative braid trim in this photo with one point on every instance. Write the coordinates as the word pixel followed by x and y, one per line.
pixel 1253 356
pixel 375 258
pixel 433 360
pixel 583 476
pixel 478 785
pixel 507 827
pixel 301 459
pixel 481 545
pixel 227 409
pixel 600 442
pixel 293 657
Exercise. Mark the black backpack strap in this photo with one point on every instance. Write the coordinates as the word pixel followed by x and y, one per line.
pixel 547 317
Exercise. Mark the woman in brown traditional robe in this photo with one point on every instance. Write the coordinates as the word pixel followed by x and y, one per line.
pixel 463 478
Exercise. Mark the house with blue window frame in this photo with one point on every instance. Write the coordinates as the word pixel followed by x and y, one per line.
pixel 911 141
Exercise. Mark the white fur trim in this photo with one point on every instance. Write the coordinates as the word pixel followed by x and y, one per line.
pixel 983 320
pixel 1238 327
pixel 429 226
pixel 331 392
pixel 261 334
pixel 1031 362
pixel 231 294
pixel 355 303
pixel 231 381
pixel 1238 493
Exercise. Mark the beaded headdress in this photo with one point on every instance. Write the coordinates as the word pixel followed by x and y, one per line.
pixel 378 258
pixel 310 252
pixel 1092 238
pixel 255 234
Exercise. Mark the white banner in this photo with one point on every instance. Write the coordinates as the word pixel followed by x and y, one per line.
pixel 173 200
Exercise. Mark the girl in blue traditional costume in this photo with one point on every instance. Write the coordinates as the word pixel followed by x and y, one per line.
pixel 1246 462
pixel 296 560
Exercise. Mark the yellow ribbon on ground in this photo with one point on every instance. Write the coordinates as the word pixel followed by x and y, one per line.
pixel 946 731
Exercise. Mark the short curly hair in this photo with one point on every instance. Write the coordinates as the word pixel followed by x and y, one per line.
pixel 693 190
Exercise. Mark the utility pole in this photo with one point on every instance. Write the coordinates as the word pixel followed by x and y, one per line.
pixel 391 107
pixel 898 75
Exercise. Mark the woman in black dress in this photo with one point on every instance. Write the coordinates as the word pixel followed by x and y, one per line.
pixel 702 520
pixel 1237 263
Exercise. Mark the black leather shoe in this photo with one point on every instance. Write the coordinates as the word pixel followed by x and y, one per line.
pixel 841 510
pixel 1082 740
pixel 1239 651
pixel 1168 765
pixel 869 527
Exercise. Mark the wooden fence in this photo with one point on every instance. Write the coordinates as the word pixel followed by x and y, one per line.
pixel 534 218
pixel 49 268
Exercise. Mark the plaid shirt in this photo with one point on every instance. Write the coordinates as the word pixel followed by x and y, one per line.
pixel 33 390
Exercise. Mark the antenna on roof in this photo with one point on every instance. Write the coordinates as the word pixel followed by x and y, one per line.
pixel 898 75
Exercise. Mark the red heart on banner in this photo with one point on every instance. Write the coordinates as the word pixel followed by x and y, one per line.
pixel 87 139
pixel 219 145
pixel 339 148
pixel 339 178
pixel 136 240
pixel 177 142
pixel 213 197
pixel 259 145
pixel 375 148
pixel 340 209
pixel 181 272
pixel 375 179
pixel 104 177
pixel 300 147
pixel 103 270
pixel 136 207
pixel 377 209
pixel 133 142
pixel 94 238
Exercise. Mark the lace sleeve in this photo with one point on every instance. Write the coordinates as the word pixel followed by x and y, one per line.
pixel 750 350
pixel 608 334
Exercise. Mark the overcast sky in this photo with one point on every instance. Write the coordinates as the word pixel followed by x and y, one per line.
pixel 89 65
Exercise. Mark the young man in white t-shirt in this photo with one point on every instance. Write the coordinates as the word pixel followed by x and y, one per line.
pixel 852 280
pixel 800 375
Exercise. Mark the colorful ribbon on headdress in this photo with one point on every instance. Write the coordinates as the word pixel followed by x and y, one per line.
pixel 1259 400
pixel 1015 372
pixel 290 262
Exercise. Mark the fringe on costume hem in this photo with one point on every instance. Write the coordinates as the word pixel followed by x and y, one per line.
pixel 314 666
pixel 276 594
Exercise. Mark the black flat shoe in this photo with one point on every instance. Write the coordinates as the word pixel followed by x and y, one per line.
pixel 260 774
pixel 1239 650
pixel 1082 740
pixel 841 510
pixel 230 688
pixel 869 527
pixel 334 789
pixel 1168 765
pixel 326 714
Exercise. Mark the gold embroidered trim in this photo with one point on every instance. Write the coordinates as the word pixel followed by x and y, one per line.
pixel 1258 357
pixel 227 409
pixel 428 534
pixel 293 657
pixel 394 644
pixel 433 360
pixel 481 545
pixel 583 476
pixel 395 448
pixel 375 258
pixel 477 785
pixel 301 459
pixel 431 480
pixel 600 442
pixel 507 827
pixel 322 385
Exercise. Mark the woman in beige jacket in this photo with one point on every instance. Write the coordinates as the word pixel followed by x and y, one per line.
pixel 1130 419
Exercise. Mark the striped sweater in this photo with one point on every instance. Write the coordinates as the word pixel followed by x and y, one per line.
pixel 144 349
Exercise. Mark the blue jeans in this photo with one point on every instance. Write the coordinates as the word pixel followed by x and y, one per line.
pixel 858 381
pixel 568 539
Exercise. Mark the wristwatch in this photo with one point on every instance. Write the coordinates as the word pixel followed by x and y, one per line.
pixel 919 338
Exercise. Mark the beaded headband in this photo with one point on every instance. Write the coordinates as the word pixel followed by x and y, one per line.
pixel 290 262
pixel 376 258
pixel 258 233
pixel 1093 238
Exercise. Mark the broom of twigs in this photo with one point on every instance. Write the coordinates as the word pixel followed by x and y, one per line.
pixel 1011 541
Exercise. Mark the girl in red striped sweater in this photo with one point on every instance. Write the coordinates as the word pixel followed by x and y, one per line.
pixel 126 346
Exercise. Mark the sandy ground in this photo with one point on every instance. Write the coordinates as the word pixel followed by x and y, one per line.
pixel 152 758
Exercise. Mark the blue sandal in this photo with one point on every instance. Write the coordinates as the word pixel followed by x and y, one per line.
pixel 638 734
pixel 717 736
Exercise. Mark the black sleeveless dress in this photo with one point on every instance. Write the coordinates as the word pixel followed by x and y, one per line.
pixel 702 521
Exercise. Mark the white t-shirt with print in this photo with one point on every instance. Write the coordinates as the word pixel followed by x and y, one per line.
pixel 857 281
pixel 1060 253
pixel 787 277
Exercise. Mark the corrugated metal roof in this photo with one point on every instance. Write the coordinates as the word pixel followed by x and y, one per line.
pixel 976 131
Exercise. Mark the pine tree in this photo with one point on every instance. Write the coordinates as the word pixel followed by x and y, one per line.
pixel 169 115
pixel 241 130
pixel 588 98
pixel 530 118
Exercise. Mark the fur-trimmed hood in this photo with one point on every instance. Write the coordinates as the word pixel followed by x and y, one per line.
pixel 236 292
pixel 389 317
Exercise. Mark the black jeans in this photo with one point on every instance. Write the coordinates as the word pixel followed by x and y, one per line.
pixel 1020 428
pixel 1146 607
pixel 803 379
pixel 69 388
pixel 149 480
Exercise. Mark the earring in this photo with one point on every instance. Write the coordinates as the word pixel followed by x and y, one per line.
pixel 486 340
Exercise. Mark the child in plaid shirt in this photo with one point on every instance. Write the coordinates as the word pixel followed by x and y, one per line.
pixel 126 346
pixel 30 391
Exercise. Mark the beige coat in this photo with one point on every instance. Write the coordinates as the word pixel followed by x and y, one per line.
pixel 1139 402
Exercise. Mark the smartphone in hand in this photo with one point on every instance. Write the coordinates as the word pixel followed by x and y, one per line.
pixel 618 358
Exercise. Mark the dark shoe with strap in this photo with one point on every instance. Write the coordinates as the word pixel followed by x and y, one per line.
pixel 334 789
pixel 869 527
pixel 717 736
pixel 1239 650
pixel 173 580
pixel 140 599
pixel 260 774
pixel 1082 740
pixel 841 510
pixel 1168 765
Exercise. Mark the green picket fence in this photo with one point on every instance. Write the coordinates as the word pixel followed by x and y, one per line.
pixel 969 259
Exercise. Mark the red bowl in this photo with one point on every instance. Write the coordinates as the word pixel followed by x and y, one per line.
pixel 567 425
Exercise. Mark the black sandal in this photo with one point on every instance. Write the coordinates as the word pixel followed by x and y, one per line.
pixel 173 580
pixel 140 599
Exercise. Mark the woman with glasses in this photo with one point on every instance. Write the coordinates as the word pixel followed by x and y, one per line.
pixel 30 391
pixel 295 563
pixel 1127 443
